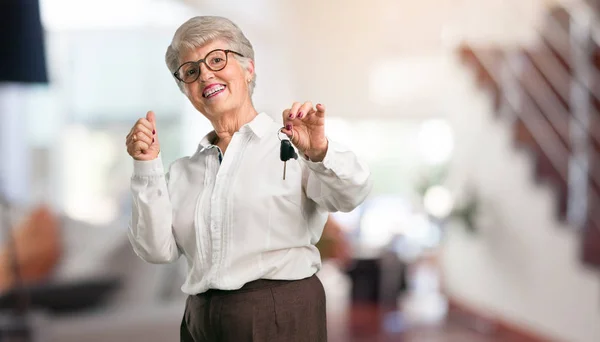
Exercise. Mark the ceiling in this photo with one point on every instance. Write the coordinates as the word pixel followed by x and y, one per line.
pixel 383 57
pixel 380 57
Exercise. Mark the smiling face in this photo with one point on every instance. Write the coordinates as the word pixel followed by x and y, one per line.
pixel 217 92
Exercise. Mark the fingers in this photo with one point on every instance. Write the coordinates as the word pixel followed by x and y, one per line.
pixel 291 134
pixel 139 146
pixel 286 115
pixel 299 110
pixel 150 117
pixel 320 110
pixel 288 119
pixel 289 114
pixel 288 127
pixel 142 125
pixel 140 128
pixel 145 123
pixel 306 109
pixel 139 133
pixel 142 135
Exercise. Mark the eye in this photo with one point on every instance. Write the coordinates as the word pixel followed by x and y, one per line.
pixel 190 72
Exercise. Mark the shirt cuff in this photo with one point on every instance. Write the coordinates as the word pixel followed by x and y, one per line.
pixel 329 162
pixel 147 168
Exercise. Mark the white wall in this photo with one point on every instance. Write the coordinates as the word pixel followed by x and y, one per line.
pixel 523 265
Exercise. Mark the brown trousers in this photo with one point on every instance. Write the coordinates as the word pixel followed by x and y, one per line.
pixel 261 311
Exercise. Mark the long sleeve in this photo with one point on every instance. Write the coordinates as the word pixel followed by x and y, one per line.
pixel 150 230
pixel 340 182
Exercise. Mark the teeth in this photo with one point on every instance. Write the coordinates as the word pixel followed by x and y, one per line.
pixel 213 90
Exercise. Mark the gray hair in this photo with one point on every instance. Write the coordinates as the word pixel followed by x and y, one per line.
pixel 200 30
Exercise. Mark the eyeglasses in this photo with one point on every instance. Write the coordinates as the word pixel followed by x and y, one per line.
pixel 215 60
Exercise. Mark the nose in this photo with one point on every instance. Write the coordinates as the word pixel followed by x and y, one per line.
pixel 205 73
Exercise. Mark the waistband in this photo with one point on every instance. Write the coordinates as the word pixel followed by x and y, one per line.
pixel 254 285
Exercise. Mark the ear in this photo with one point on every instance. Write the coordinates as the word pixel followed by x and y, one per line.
pixel 249 71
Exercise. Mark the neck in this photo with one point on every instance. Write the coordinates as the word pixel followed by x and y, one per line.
pixel 230 122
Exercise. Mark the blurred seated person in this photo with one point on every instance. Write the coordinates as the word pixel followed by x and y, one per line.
pixel 54 247
pixel 58 252
pixel 38 245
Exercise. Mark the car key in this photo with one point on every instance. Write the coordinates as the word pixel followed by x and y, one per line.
pixel 286 152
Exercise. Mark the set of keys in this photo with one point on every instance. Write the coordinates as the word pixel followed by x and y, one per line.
pixel 286 152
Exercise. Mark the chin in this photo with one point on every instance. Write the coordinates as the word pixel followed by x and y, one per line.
pixel 217 107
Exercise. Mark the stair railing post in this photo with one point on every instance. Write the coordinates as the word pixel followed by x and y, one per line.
pixel 579 122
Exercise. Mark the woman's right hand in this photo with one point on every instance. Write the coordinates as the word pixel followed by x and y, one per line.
pixel 142 141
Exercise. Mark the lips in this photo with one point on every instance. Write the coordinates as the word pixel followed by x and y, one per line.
pixel 212 90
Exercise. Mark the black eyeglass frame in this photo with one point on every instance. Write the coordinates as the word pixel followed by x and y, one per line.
pixel 203 60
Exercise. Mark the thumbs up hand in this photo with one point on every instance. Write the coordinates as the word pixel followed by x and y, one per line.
pixel 142 141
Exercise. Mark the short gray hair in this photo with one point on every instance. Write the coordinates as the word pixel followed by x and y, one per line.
pixel 200 30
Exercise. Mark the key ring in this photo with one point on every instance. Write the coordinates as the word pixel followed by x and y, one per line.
pixel 279 131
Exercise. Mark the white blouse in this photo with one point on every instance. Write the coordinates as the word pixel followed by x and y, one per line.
pixel 237 220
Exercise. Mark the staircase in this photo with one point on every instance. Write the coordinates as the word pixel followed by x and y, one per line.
pixel 550 94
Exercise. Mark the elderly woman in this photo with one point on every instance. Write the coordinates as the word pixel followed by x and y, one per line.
pixel 248 234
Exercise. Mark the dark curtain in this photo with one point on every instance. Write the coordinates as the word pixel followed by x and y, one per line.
pixel 22 55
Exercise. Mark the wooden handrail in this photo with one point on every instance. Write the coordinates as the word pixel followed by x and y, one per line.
pixel 559 79
pixel 558 76
pixel 556 112
pixel 541 131
pixel 551 107
pixel 554 40
pixel 540 128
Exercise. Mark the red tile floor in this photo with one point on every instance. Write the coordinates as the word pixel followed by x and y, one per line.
pixel 354 322
pixel 365 324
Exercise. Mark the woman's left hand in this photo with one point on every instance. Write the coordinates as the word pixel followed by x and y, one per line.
pixel 308 126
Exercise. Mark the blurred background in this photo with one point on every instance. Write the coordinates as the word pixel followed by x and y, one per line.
pixel 479 120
